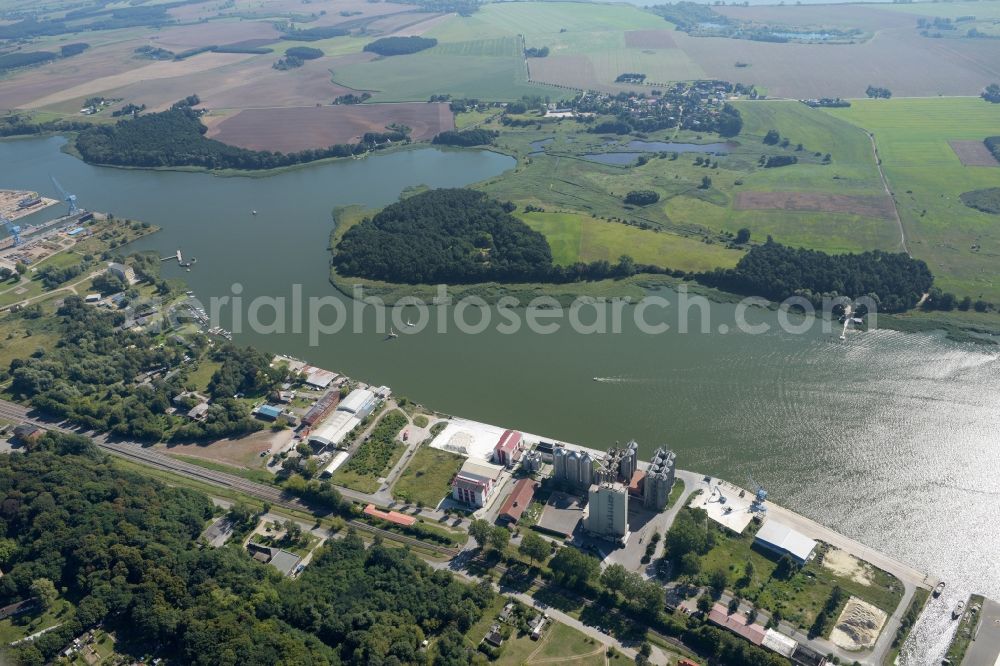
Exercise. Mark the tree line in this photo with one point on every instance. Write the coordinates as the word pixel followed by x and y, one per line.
pixel 465 138
pixel 393 46
pixel 894 280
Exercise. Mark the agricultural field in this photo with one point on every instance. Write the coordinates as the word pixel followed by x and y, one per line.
pixel 299 128
pixel 960 244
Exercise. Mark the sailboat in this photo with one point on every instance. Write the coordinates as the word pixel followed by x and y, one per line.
pixel 391 334
pixel 409 323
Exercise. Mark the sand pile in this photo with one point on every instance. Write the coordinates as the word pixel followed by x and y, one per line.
pixel 858 626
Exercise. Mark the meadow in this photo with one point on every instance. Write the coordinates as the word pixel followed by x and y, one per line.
pixel 575 237
pixel 960 244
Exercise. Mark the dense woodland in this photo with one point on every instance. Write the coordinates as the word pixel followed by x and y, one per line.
pixel 894 280
pixel 122 548
pixel 108 378
pixel 452 236
pixel 465 138
pixel 177 138
pixel 393 46
pixel 987 200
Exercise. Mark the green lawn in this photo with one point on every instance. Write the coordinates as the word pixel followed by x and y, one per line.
pixel 927 179
pixel 575 237
pixel 17 627
pixel 563 641
pixel 426 479
pixel 202 374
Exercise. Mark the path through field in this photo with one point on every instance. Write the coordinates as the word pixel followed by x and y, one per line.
pixel 885 185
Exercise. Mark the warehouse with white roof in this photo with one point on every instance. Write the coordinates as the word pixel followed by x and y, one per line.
pixel 783 540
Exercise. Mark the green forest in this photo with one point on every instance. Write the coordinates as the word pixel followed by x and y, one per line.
pixel 121 547
pixel 454 236
pixel 95 376
pixel 895 280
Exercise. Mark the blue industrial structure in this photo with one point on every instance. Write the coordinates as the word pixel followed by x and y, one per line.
pixel 66 196
pixel 14 229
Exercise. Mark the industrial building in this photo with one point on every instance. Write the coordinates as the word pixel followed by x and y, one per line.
pixel 268 412
pixel 606 514
pixel 122 272
pixel 332 431
pixel 360 403
pixel 619 465
pixel 322 408
pixel 338 459
pixel 574 469
pixel 659 480
pixel 475 482
pixel 508 450
pixel 519 500
pixel 783 540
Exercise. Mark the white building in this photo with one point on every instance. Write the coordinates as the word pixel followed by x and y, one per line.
pixel 606 514
pixel 475 482
pixel 783 540
pixel 360 402
pixel 333 430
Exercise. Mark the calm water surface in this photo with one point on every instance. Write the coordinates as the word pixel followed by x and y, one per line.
pixel 889 438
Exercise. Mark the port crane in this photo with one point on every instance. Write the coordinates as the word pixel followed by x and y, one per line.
pixel 760 496
pixel 66 196
pixel 12 228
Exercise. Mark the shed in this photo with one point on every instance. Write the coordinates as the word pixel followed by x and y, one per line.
pixel 779 643
pixel 268 412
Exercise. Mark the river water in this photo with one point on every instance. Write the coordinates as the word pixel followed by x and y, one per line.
pixel 887 437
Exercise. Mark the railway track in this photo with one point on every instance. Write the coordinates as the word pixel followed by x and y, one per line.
pixel 135 452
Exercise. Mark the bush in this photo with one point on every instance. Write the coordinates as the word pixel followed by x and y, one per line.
pixel 641 197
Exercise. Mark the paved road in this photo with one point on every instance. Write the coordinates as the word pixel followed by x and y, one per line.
pixel 985 649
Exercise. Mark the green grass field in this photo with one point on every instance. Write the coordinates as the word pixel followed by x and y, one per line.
pixel 576 238
pixel 425 480
pixel 927 179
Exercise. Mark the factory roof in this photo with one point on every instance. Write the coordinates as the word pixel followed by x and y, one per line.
pixel 508 441
pixel 390 516
pixel 318 377
pixel 481 470
pixel 779 643
pixel 518 500
pixel 269 411
pixel 782 537
pixel 356 401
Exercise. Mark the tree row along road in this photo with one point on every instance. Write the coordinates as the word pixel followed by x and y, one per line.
pixel 276 497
